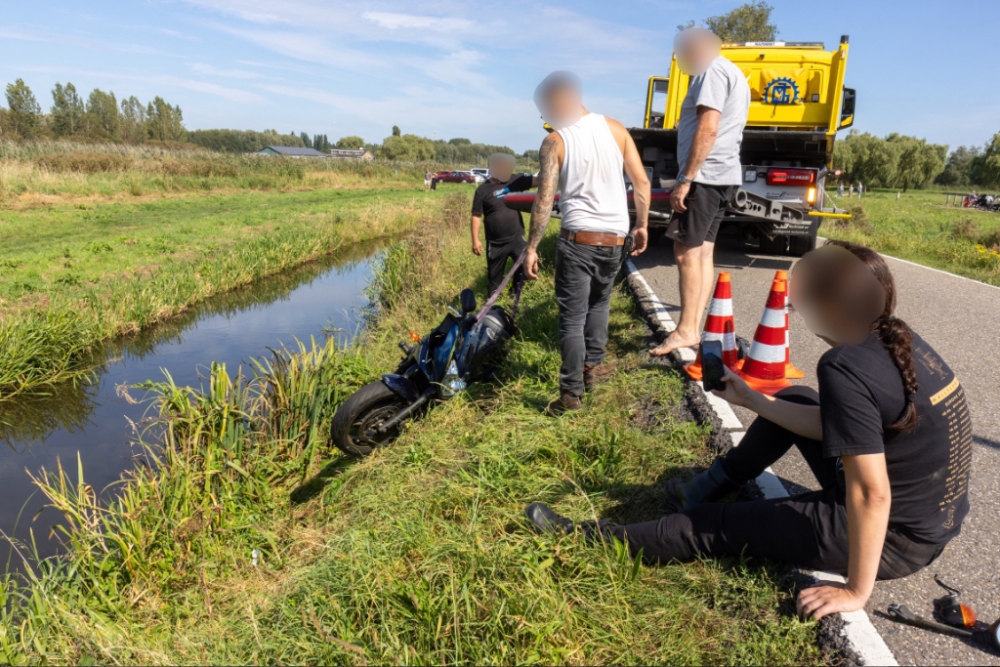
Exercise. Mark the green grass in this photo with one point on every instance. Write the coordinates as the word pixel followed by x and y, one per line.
pixel 72 275
pixel 416 555
pixel 918 227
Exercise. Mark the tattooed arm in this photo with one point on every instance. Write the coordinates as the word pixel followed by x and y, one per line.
pixel 551 157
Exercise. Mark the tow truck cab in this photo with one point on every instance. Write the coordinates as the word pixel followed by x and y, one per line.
pixel 798 103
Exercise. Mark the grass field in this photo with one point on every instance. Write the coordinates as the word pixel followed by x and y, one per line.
pixel 254 543
pixel 74 274
pixel 918 227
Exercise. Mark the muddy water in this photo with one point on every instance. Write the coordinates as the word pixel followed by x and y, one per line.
pixel 319 299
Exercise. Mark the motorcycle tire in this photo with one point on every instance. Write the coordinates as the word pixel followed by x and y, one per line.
pixel 353 430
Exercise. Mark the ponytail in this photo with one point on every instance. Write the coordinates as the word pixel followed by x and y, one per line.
pixel 893 333
pixel 895 336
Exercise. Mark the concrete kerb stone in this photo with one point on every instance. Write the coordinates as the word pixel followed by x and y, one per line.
pixel 851 634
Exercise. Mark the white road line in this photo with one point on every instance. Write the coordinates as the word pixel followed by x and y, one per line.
pixel 858 630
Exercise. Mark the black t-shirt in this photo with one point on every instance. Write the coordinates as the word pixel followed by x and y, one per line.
pixel 861 395
pixel 502 223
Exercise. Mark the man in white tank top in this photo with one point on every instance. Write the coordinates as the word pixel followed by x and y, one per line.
pixel 584 159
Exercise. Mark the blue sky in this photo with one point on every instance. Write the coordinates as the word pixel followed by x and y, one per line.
pixel 445 69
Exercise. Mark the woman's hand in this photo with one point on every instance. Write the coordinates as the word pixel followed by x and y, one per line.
pixel 737 391
pixel 829 598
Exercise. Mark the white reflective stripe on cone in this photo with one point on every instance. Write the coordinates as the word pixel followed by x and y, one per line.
pixel 774 319
pixel 721 307
pixel 768 354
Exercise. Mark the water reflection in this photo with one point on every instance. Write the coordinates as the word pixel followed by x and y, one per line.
pixel 94 420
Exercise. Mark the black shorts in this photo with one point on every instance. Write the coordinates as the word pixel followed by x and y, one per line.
pixel 700 223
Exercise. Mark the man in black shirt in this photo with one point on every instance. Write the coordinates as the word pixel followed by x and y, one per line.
pixel 504 226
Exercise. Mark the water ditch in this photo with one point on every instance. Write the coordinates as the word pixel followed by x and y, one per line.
pixel 318 299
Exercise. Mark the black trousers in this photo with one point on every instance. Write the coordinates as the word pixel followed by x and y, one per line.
pixel 585 279
pixel 808 530
pixel 497 254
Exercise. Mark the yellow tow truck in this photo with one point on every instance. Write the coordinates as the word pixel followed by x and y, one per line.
pixel 798 104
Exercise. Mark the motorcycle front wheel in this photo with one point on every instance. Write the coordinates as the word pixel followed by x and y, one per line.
pixel 355 426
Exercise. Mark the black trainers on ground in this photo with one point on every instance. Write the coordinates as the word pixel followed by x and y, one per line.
pixel 705 487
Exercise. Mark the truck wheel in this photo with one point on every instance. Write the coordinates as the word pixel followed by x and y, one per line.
pixel 800 245
pixel 355 426
pixel 774 246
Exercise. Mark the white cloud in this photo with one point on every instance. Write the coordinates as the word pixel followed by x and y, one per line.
pixel 226 73
pixel 233 94
pixel 394 21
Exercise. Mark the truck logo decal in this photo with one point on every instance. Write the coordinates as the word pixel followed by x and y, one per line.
pixel 781 91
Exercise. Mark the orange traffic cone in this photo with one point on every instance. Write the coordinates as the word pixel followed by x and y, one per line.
pixel 764 368
pixel 791 372
pixel 720 326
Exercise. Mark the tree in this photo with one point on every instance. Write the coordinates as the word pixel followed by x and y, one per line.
pixel 459 141
pixel 25 114
pixel 408 148
pixel 67 111
pixel 133 120
pixel 986 167
pixel 917 162
pixel 866 158
pixel 306 141
pixel 103 117
pixel 352 142
pixel 750 22
pixel 165 122
pixel 395 130
pixel 321 143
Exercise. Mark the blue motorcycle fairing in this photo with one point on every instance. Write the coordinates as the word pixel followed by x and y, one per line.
pixel 402 386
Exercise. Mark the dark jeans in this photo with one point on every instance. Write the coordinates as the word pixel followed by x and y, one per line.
pixel 497 254
pixel 809 529
pixel 585 276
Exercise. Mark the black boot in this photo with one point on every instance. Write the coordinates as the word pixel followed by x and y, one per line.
pixel 705 487
pixel 544 520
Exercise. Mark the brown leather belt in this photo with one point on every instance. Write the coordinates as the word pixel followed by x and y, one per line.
pixel 604 239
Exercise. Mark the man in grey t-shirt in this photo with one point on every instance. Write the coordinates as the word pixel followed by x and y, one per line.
pixel 709 135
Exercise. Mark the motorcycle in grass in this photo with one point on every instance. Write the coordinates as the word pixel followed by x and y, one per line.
pixel 433 368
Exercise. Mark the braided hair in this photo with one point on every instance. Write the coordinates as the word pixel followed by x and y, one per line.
pixel 894 334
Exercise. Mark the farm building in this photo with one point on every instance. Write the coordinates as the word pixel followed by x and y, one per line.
pixel 348 154
pixel 291 151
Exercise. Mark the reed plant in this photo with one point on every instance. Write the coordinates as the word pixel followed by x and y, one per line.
pixel 242 537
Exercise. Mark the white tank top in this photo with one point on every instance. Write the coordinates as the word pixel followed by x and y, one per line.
pixel 591 181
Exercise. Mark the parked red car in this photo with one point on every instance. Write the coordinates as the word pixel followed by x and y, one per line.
pixel 454 177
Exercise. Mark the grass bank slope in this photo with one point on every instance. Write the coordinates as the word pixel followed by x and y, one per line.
pixel 918 227
pixel 71 276
pixel 255 543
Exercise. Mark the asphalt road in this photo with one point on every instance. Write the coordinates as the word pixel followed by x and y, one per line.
pixel 960 318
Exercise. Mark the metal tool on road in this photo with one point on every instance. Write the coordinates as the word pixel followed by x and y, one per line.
pixel 986 636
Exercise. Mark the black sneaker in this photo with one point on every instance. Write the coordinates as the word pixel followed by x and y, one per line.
pixel 544 520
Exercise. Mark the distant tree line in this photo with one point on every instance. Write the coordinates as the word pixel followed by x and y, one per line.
pixel 903 162
pixel 99 117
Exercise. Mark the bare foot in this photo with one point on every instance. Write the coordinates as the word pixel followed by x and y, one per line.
pixel 674 341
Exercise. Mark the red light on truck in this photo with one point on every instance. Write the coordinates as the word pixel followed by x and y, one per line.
pixel 791 176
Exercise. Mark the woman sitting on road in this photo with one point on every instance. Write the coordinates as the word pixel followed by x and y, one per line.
pixel 888 437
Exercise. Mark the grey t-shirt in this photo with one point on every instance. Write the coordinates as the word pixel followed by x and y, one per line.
pixel 722 87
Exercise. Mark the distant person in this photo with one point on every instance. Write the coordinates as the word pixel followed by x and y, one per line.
pixel 861 189
pixel 584 158
pixel 427 181
pixel 710 173
pixel 888 437
pixel 850 191
pixel 840 190
pixel 504 226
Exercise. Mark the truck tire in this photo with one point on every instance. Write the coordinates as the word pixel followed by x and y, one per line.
pixel 353 430
pixel 800 245
pixel 774 246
